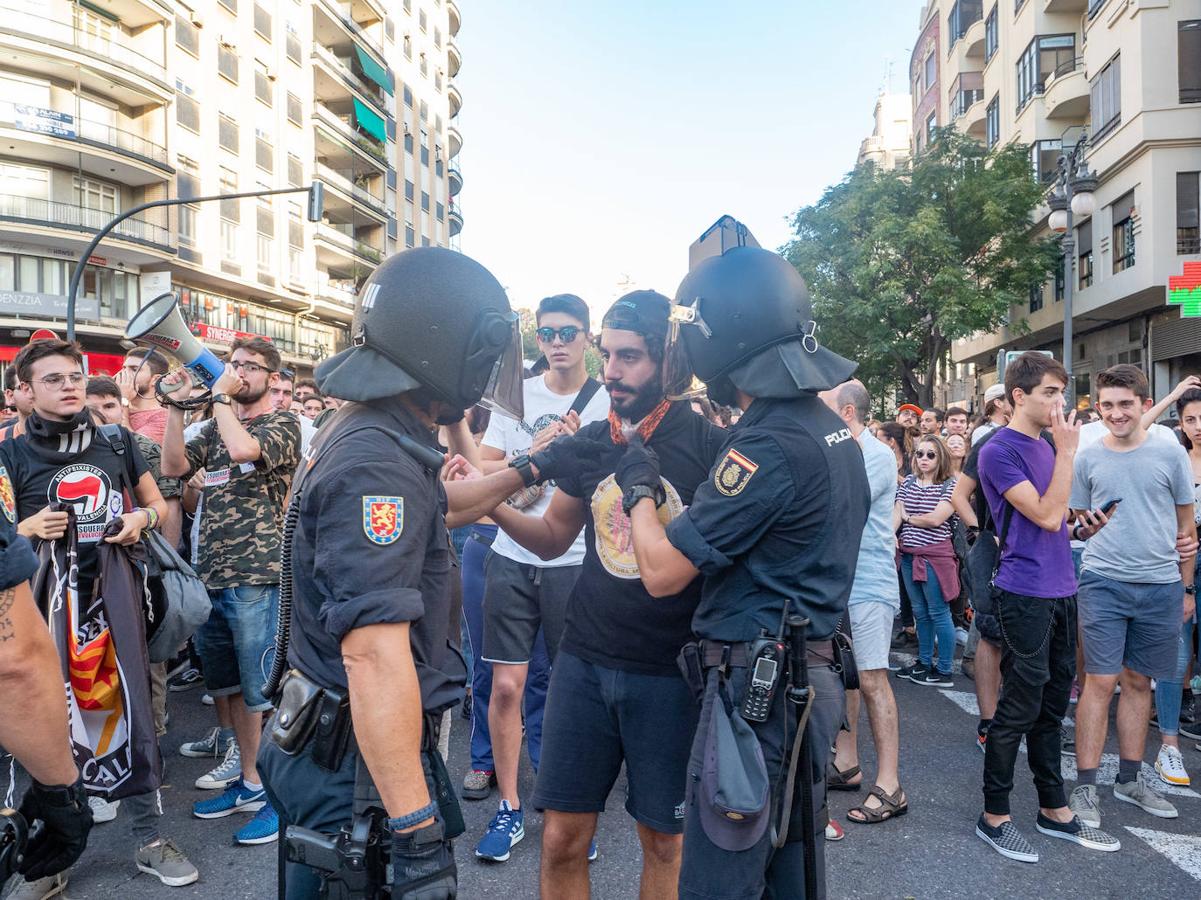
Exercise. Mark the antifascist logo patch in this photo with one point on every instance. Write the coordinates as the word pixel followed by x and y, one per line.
pixel 733 473
pixel 383 519
pixel 8 502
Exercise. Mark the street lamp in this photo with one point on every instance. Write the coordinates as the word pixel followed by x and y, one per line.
pixel 316 192
pixel 1071 196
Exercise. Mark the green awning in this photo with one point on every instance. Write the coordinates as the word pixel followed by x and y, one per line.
pixel 373 70
pixel 370 121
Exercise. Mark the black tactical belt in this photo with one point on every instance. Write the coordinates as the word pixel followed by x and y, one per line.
pixel 717 653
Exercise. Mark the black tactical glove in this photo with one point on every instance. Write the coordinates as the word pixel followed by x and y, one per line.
pixel 423 865
pixel 566 456
pixel 639 468
pixel 65 818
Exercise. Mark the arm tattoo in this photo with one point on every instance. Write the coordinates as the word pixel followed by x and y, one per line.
pixel 6 623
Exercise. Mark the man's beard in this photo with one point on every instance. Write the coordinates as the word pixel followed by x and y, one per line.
pixel 638 405
pixel 248 396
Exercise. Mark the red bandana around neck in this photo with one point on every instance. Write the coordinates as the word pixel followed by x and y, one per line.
pixel 645 428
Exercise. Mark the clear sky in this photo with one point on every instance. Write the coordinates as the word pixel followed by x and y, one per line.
pixel 601 139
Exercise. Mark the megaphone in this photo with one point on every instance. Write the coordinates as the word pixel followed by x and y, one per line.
pixel 160 324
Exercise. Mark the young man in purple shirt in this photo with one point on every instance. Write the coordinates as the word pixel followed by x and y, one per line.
pixel 1027 484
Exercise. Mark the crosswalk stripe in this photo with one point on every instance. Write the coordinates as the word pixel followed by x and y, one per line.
pixel 1184 850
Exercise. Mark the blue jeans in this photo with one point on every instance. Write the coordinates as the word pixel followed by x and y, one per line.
pixel 474 553
pixel 1168 693
pixel 236 644
pixel 932 615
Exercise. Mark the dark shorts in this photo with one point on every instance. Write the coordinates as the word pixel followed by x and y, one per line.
pixel 1130 624
pixel 518 600
pixel 596 719
pixel 989 628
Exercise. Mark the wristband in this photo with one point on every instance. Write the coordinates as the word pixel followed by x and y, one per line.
pixel 1076 533
pixel 429 811
pixel 524 469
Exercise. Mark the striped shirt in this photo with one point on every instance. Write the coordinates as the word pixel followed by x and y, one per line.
pixel 920 500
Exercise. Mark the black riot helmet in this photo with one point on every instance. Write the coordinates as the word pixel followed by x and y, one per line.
pixel 430 318
pixel 746 322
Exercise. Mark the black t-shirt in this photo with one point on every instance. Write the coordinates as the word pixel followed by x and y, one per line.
pixel 611 620
pixel 91 481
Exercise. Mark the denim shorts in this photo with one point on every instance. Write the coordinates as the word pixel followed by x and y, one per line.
pixel 236 644
pixel 1130 624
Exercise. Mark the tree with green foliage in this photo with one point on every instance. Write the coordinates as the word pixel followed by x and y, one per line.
pixel 902 263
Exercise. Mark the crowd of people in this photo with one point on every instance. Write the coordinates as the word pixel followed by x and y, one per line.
pixel 1055 554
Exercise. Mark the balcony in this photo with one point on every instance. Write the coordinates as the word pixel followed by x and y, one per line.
pixel 455 20
pixel 455 178
pixel 338 181
pixel 51 214
pixel 332 22
pixel 455 97
pixel 1066 93
pixel 454 140
pixel 972 42
pixel 454 218
pixel 338 141
pixel 341 237
pixel 1075 7
pixel 454 60
pixel 105 63
pixel 335 79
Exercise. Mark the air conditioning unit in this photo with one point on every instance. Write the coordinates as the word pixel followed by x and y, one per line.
pixel 195 18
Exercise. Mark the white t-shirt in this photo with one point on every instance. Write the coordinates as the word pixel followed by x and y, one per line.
pixel 542 407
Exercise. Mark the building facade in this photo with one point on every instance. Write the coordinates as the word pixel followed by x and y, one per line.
pixel 108 104
pixel 925 79
pixel 1128 74
pixel 888 146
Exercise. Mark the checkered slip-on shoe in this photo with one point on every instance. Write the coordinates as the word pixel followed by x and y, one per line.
pixel 1078 833
pixel 1006 840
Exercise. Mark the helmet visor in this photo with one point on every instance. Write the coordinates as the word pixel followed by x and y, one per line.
pixel 505 392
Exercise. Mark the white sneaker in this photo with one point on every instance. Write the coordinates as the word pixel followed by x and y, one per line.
pixel 50 886
pixel 1170 766
pixel 103 810
pixel 227 771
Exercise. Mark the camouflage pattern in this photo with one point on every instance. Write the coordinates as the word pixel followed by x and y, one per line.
pixel 243 516
pixel 170 488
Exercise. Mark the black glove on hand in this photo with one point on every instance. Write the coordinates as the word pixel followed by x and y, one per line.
pixel 565 457
pixel 66 820
pixel 639 466
pixel 423 865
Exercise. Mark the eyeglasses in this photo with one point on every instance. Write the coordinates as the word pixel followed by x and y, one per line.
pixel 57 380
pixel 926 454
pixel 566 334
pixel 250 368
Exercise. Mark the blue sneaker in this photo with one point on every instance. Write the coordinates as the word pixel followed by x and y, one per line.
pixel 234 799
pixel 592 851
pixel 262 829
pixel 505 830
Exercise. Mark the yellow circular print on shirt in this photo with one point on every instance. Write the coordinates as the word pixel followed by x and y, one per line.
pixel 614 539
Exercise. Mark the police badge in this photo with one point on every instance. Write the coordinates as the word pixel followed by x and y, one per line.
pixel 383 519
pixel 733 473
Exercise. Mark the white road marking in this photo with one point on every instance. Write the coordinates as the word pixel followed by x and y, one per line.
pixel 1184 850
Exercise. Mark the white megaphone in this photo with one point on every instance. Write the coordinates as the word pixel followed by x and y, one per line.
pixel 160 324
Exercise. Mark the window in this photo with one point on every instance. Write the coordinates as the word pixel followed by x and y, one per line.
pixel 1043 58
pixel 963 98
pixel 421 20
pixel 262 22
pixel 991 37
pixel 1106 98
pixel 410 188
pixel 264 152
pixel 227 62
pixel 931 72
pixel 187 36
pixel 423 111
pixel 19 183
pixel 1059 282
pixel 408 143
pixel 187 224
pixel 408 96
pixel 291 43
pixel 425 201
pixel 425 66
pixel 1123 233
pixel 425 155
pixel 992 122
pixel 231 5
pixel 263 90
pixel 1044 159
pixel 931 127
pixel 230 209
pixel 408 46
pixel 1188 43
pixel 187 112
pixel 294 112
pixel 98 195
pixel 964 14
pixel 439 212
pixel 1036 297
pixel 438 38
pixel 295 171
pixel 1188 237
pixel 1084 246
pixel 227 133
pixel 389 28
pixel 410 236
pixel 229 240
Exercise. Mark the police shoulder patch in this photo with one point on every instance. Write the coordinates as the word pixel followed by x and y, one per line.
pixel 733 473
pixel 383 519
pixel 8 501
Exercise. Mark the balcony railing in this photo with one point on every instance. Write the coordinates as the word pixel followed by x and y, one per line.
pixel 64 125
pixel 344 184
pixel 351 25
pixel 341 124
pixel 111 47
pixel 343 236
pixel 35 211
pixel 342 69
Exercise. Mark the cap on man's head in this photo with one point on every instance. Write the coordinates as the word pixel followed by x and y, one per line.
pixel 996 392
pixel 643 312
pixel 916 410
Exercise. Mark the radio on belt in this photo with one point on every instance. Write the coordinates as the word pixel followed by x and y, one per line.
pixel 766 660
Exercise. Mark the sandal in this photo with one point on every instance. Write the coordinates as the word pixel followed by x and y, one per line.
pixel 891 806
pixel 838 780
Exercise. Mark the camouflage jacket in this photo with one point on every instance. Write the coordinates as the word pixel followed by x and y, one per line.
pixel 170 488
pixel 243 516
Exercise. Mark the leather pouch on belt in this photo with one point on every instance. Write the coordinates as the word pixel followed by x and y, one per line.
pixel 295 713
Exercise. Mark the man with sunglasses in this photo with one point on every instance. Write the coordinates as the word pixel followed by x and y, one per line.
pixel 524 593
pixel 143 413
pixel 249 451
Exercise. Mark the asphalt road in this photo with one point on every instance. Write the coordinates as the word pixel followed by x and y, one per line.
pixel 931 853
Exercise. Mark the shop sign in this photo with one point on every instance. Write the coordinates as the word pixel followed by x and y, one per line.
pixel 1185 290
pixel 219 335
pixel 44 121
pixel 22 303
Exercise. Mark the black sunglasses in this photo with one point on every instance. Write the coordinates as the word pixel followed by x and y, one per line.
pixel 567 333
pixel 926 454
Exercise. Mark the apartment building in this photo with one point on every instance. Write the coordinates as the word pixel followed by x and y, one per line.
pixel 107 104
pixel 888 146
pixel 1128 74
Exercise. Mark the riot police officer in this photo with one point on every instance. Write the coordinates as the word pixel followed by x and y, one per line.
pixel 351 759
pixel 775 531
pixel 33 721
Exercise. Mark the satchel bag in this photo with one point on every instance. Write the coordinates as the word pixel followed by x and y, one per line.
pixel 528 496
pixel 982 562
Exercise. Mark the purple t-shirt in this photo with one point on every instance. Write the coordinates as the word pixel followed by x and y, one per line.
pixel 1034 562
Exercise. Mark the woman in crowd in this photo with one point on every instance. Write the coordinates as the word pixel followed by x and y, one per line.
pixel 929 566
pixel 893 436
pixel 1168 694
pixel 957 451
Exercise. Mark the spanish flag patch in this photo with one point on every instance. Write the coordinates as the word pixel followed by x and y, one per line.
pixel 733 473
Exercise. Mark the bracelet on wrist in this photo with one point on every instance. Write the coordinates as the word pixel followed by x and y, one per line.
pixel 416 817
